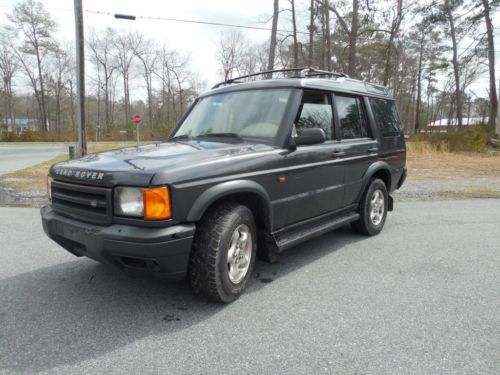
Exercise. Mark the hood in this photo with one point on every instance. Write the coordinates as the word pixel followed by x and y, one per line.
pixel 137 166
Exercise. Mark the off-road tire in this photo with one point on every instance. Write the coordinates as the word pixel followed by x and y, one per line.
pixel 365 225
pixel 208 268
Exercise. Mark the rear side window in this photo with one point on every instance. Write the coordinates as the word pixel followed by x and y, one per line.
pixel 316 112
pixel 351 117
pixel 386 116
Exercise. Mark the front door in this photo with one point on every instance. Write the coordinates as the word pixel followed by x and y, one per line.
pixel 316 172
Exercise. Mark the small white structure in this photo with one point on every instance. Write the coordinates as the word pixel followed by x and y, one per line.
pixel 441 126
pixel 19 126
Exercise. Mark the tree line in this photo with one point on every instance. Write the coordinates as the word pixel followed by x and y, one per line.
pixel 30 53
pixel 426 53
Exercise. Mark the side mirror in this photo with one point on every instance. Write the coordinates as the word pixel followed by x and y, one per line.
pixel 310 136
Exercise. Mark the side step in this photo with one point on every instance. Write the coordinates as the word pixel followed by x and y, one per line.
pixel 287 239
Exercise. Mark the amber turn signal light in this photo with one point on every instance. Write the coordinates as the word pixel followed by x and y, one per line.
pixel 157 204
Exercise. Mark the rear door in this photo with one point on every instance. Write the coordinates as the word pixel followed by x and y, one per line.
pixel 391 136
pixel 356 140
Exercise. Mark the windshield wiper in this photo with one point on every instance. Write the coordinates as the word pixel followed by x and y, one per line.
pixel 222 135
pixel 180 138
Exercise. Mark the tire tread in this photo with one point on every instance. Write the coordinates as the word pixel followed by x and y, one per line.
pixel 205 253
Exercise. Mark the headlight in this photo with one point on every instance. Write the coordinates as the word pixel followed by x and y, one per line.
pixel 129 201
pixel 151 204
pixel 49 187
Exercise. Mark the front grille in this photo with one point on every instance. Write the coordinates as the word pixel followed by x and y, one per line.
pixel 81 202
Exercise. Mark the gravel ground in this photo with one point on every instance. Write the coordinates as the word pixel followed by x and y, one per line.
pixel 420 298
pixel 456 188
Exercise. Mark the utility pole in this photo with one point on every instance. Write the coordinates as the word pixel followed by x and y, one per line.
pixel 80 80
pixel 497 127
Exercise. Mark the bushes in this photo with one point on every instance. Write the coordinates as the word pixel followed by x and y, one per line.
pixel 29 136
pixel 9 137
pixel 468 140
pixel 32 136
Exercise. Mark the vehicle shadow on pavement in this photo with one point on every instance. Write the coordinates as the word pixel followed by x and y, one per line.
pixel 79 310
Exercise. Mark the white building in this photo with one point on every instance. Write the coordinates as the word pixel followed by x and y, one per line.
pixel 441 126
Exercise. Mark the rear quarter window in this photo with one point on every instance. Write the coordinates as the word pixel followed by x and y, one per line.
pixel 386 116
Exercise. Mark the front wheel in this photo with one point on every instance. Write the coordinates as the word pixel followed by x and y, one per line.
pixel 223 252
pixel 372 209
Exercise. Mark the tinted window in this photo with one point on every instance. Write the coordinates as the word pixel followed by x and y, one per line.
pixel 351 117
pixel 386 116
pixel 316 112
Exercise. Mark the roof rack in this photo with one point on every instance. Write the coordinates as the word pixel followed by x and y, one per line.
pixel 302 72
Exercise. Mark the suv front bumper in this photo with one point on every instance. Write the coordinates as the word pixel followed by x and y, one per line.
pixel 162 251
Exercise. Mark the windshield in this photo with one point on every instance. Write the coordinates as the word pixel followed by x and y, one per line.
pixel 252 113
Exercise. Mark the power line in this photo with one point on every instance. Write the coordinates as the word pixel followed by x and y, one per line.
pixel 196 22
pixel 181 20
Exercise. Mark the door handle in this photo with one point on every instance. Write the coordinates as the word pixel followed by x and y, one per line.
pixel 372 150
pixel 338 153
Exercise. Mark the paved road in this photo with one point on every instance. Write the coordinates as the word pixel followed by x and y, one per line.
pixel 17 156
pixel 421 298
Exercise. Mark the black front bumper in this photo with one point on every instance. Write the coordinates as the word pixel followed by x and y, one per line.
pixel 162 251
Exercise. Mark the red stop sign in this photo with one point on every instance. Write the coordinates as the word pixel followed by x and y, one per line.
pixel 137 119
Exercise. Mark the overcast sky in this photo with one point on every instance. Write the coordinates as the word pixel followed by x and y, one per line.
pixel 195 39
pixel 198 40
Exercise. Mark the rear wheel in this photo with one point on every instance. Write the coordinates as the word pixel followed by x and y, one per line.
pixel 372 209
pixel 223 252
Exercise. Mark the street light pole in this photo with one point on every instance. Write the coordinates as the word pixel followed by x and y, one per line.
pixel 80 80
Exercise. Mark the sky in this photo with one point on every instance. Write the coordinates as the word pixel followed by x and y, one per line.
pixel 197 40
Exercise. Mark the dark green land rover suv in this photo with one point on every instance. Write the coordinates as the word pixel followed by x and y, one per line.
pixel 253 168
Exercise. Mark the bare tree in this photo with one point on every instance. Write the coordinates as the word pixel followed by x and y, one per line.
pixel 178 66
pixel 294 34
pixel 274 28
pixel 57 80
pixel 448 9
pixel 174 74
pixel 126 47
pixel 166 92
pixel 101 47
pixel 33 21
pixel 228 53
pixel 311 29
pixel 326 12
pixel 395 25
pixel 9 65
pixel 148 56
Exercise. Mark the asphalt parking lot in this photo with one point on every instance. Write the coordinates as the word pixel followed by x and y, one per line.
pixel 423 297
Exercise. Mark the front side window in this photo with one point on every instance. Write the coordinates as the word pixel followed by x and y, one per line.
pixel 252 113
pixel 351 118
pixel 316 112
pixel 386 116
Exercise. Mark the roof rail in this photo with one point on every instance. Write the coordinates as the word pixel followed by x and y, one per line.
pixel 303 72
